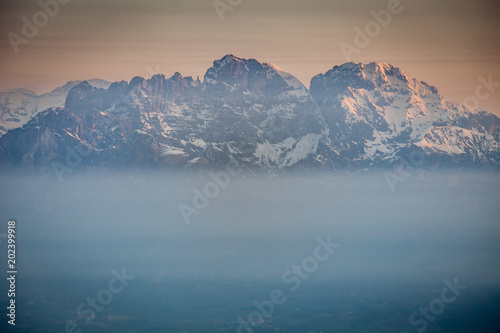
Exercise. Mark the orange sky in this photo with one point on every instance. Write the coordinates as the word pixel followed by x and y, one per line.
pixel 447 43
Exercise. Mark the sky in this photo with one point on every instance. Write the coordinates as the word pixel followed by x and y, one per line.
pixel 450 44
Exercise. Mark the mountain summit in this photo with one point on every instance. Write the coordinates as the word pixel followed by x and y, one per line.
pixel 377 112
pixel 257 115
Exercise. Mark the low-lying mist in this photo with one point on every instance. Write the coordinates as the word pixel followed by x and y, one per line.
pixel 435 225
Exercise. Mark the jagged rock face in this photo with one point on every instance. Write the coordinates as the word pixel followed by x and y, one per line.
pixel 251 113
pixel 18 106
pixel 376 112
pixel 256 115
pixel 43 139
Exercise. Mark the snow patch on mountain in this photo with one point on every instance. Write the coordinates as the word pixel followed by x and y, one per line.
pixel 287 152
pixel 168 150
pixel 18 106
pixel 455 140
pixel 257 115
pixel 379 110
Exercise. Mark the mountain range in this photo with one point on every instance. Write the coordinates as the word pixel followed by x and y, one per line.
pixel 18 106
pixel 251 114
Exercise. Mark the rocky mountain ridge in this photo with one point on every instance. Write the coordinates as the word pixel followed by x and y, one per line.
pixel 256 115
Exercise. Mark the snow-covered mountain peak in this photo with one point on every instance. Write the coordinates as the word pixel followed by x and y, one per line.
pixel 256 114
pixel 273 66
pixel 237 74
pixel 98 83
pixel 291 80
pixel 387 107
pixel 25 91
pixel 18 106
pixel 229 65
pixel 228 58
pixel 368 76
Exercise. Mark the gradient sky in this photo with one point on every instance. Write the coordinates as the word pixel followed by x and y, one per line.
pixel 447 43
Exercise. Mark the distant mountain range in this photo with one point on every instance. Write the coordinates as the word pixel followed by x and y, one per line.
pixel 251 114
pixel 18 106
